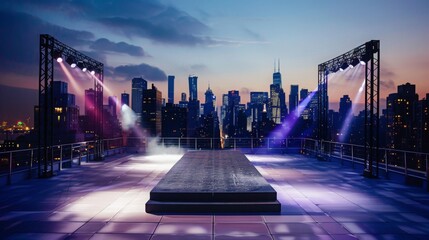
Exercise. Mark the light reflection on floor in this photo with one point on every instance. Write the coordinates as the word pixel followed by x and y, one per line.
pixel 106 200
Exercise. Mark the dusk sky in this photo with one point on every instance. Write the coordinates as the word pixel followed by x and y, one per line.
pixel 230 45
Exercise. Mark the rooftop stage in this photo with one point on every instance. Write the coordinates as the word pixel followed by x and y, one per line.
pixel 213 182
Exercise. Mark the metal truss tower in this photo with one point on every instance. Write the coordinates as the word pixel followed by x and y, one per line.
pixel 49 49
pixel 369 55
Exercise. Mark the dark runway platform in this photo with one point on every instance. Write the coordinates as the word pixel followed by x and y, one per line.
pixel 213 182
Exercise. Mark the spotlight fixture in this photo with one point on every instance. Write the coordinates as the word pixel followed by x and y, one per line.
pixel 84 69
pixel 364 59
pixel 71 62
pixel 354 62
pixel 334 69
pixel 80 64
pixel 57 55
pixel 344 66
pixel 92 72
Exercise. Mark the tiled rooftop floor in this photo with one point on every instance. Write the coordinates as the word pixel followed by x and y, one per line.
pixel 106 200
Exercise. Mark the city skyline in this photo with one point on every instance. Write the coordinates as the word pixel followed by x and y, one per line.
pixel 229 45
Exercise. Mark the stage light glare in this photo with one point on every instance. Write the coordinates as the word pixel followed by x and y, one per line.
pixel 84 69
pixel 92 72
pixel 73 65
pixel 59 59
pixel 362 62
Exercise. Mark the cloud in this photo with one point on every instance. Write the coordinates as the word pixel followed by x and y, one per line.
pixel 106 45
pixel 20 50
pixel 158 32
pixel 155 21
pixel 146 19
pixel 387 84
pixel 386 73
pixel 198 67
pixel 144 70
pixel 253 34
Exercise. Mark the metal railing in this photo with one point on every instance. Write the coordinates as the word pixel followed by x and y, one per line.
pixel 406 163
pixel 64 155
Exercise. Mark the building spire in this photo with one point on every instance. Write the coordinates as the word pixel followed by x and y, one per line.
pixel 274 65
pixel 278 68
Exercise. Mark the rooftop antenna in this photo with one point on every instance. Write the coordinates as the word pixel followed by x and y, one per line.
pixel 278 69
pixel 274 65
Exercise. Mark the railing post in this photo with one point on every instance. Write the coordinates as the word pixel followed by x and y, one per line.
pixel 427 173
pixel 405 164
pixel 71 152
pixel 60 167
pixel 9 177
pixel 386 164
pixel 353 157
pixel 251 145
pixel 268 143
pixel 179 142
pixel 31 163
pixel 211 143
pixel 88 155
pixel 196 143
pixel 80 155
pixel 235 144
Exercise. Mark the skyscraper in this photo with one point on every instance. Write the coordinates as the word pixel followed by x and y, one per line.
pixel 91 121
pixel 170 89
pixel 231 118
pixel 193 117
pixel 112 100
pixel 345 107
pixel 65 120
pixel 174 121
pixel 89 102
pixel 275 112
pixel 303 94
pixel 293 98
pixel 193 87
pixel 183 103
pixel 209 105
pixel 138 86
pixel 151 114
pixel 125 99
pixel 278 109
pixel 277 76
pixel 258 101
pixel 401 131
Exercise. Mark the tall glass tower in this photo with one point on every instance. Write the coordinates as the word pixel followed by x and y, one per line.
pixel 193 88
pixel 137 88
pixel 170 89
